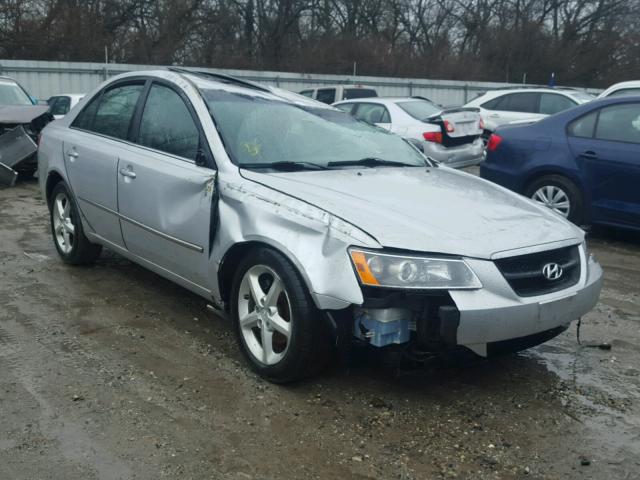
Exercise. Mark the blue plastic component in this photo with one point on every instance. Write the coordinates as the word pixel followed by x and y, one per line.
pixel 381 333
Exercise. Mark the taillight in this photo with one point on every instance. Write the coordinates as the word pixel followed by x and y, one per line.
pixel 494 141
pixel 435 137
pixel 481 124
pixel 448 126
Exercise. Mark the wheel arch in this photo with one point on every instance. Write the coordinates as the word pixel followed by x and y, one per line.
pixel 551 170
pixel 236 252
pixel 53 178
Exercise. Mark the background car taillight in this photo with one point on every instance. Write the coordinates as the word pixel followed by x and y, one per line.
pixel 435 137
pixel 448 126
pixel 481 124
pixel 494 141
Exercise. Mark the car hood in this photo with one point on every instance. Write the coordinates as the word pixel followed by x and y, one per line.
pixel 437 210
pixel 19 114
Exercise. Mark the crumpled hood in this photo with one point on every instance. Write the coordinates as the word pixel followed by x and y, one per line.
pixel 437 210
pixel 19 114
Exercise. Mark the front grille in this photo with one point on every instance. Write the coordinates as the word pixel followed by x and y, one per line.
pixel 524 272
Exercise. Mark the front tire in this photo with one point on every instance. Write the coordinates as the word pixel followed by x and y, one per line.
pixel 280 332
pixel 66 227
pixel 560 195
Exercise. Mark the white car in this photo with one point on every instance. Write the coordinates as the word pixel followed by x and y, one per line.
pixel 59 105
pixel 335 93
pixel 499 107
pixel 622 89
pixel 450 136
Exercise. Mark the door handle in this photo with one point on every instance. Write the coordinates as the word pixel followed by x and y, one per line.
pixel 590 154
pixel 126 172
pixel 72 154
pixel 494 115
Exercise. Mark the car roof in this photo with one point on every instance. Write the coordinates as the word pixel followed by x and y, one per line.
pixel 203 79
pixel 383 100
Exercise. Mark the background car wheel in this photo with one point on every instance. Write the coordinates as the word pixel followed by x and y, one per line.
pixel 66 227
pixel 279 329
pixel 560 195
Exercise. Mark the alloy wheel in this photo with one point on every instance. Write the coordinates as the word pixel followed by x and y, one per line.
pixel 264 313
pixel 553 197
pixel 63 227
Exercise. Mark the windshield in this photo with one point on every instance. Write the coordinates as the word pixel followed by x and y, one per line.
pixel 12 94
pixel 259 130
pixel 419 109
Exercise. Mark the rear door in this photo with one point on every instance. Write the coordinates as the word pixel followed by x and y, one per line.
pixel 91 148
pixel 512 107
pixel 166 187
pixel 606 144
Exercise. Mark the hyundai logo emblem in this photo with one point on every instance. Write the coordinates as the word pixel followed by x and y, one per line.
pixel 552 271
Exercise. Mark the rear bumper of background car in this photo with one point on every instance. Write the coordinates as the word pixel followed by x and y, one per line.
pixel 493 317
pixel 456 157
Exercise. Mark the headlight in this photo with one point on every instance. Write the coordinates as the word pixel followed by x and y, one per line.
pixel 399 271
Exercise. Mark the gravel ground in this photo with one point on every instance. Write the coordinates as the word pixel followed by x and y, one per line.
pixel 111 372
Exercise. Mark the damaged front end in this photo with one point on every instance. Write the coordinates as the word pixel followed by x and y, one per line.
pixel 19 129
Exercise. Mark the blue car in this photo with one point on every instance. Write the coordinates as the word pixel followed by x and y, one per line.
pixel 583 163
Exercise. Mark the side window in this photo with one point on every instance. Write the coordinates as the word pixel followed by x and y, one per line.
pixel 583 126
pixel 519 102
pixel 60 106
pixel 346 107
pixel 493 103
pixel 619 123
pixel 326 95
pixel 84 120
pixel 115 111
pixel 551 103
pixel 167 124
pixel 625 92
pixel 372 113
pixel 307 93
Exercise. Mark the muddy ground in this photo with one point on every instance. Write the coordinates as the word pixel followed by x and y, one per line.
pixel 111 372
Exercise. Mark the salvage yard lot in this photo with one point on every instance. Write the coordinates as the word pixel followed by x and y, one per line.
pixel 112 372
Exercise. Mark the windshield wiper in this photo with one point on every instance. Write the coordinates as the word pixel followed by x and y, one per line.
pixel 370 162
pixel 285 166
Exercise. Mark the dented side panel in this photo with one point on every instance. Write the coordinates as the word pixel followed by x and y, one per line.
pixel 315 241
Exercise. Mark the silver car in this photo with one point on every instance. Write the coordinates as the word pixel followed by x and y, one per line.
pixel 311 229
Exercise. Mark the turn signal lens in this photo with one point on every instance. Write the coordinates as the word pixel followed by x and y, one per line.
pixel 363 269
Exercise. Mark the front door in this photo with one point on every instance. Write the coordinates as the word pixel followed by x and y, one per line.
pixel 165 193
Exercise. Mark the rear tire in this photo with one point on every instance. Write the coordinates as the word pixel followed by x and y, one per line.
pixel 559 194
pixel 281 333
pixel 66 228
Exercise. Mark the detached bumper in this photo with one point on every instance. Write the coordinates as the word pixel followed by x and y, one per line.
pixel 495 316
pixel 456 157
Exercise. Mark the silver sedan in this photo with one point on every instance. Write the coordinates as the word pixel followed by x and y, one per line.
pixel 309 228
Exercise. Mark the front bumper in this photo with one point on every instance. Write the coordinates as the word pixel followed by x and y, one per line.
pixel 456 157
pixel 496 314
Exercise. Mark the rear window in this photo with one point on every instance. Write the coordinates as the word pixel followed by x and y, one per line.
pixel 551 103
pixel 350 93
pixel 419 109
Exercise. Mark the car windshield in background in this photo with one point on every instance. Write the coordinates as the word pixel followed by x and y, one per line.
pixel 260 131
pixel 12 94
pixel 351 93
pixel 582 97
pixel 419 109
